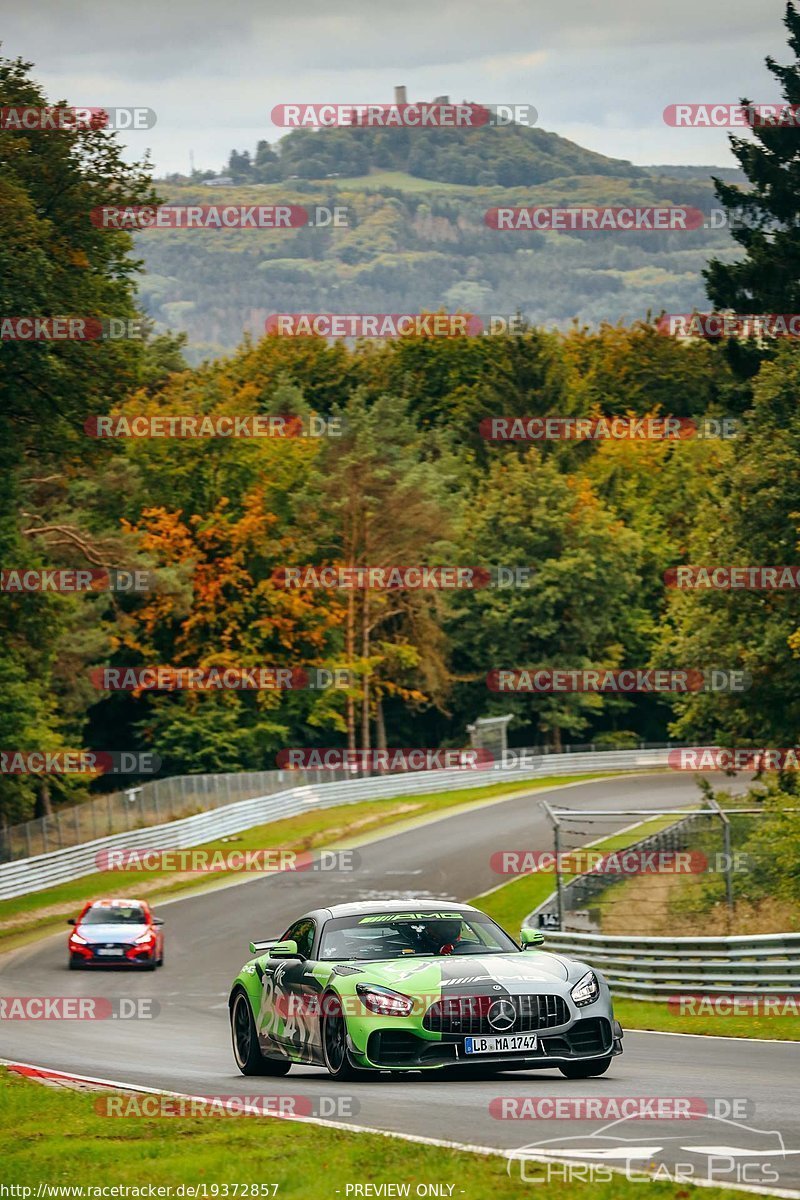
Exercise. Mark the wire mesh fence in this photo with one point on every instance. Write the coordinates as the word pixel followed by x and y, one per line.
pixel 178 796
pixel 658 876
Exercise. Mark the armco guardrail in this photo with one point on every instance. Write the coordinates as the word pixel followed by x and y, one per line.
pixel 156 801
pixel 658 968
pixel 43 870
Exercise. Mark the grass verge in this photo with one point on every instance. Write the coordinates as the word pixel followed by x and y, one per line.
pixel 37 913
pixel 54 1136
pixel 650 1014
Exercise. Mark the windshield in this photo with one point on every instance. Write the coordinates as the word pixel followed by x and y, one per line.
pixel 114 916
pixel 409 935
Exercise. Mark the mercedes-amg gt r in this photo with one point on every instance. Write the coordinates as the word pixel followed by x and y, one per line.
pixel 417 985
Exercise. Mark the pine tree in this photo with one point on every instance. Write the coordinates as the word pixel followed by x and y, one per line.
pixel 765 219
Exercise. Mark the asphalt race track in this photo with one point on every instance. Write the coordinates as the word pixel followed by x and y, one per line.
pixel 187 1047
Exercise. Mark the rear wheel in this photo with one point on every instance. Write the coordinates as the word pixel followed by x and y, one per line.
pixel 246 1050
pixel 334 1040
pixel 586 1070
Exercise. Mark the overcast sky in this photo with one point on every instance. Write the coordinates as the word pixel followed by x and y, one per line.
pixel 599 73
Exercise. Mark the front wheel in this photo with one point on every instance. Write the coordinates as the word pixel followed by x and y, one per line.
pixel 334 1040
pixel 246 1049
pixel 586 1070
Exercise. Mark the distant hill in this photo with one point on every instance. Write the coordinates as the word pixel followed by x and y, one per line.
pixel 729 174
pixel 513 156
pixel 413 244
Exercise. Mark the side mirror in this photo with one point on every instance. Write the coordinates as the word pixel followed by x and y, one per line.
pixel 158 920
pixel 531 938
pixel 72 921
pixel 285 950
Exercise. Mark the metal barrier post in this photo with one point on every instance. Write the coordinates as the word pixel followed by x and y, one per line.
pixel 726 849
pixel 557 848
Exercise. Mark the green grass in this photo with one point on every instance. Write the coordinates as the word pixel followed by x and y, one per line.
pixel 391 179
pixel 37 913
pixel 649 1014
pixel 56 1137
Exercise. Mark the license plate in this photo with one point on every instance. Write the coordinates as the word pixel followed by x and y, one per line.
pixel 512 1043
pixel 111 950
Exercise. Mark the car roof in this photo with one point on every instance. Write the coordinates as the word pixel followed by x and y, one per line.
pixel 412 905
pixel 115 902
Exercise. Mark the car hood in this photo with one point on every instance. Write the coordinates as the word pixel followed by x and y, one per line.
pixel 523 972
pixel 111 933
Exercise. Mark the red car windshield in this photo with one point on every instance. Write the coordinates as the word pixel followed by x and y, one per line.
pixel 114 916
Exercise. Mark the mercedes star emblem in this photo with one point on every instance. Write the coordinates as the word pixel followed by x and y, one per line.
pixel 502 1015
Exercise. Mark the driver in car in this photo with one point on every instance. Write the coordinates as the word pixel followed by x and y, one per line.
pixel 441 936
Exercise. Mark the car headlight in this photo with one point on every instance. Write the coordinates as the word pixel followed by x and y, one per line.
pixel 76 937
pixel 144 937
pixel 586 990
pixel 384 1001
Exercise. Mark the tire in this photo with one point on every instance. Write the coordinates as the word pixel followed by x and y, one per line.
pixel 246 1051
pixel 586 1070
pixel 74 965
pixel 334 1040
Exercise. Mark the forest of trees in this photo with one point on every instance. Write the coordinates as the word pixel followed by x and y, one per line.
pixel 409 481
pixel 405 250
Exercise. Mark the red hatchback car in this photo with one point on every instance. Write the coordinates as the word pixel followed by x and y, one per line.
pixel 122 932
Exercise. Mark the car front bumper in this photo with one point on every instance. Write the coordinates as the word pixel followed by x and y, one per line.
pixel 398 1049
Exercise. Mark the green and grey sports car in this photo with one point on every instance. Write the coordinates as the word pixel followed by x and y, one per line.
pixel 417 985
